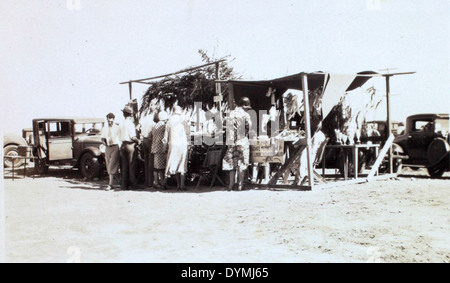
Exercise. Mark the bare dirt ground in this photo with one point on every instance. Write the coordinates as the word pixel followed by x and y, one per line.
pixel 60 218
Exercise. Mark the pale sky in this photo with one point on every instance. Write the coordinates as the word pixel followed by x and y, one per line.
pixel 60 58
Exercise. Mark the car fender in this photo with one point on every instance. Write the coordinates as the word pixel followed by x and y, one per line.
pixel 95 151
pixel 92 149
pixel 10 139
pixel 438 150
pixel 398 148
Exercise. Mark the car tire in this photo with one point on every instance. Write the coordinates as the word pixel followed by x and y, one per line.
pixel 398 151
pixel 436 171
pixel 11 150
pixel 89 166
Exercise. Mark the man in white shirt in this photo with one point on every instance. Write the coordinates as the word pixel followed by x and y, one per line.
pixel 111 140
pixel 128 151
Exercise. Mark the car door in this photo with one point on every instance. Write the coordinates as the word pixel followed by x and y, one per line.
pixel 59 141
pixel 40 138
pixel 421 135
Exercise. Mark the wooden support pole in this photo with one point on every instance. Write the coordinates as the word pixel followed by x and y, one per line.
pixel 308 129
pixel 130 88
pixel 389 125
pixel 380 158
pixel 231 102
pixel 218 87
pixel 287 164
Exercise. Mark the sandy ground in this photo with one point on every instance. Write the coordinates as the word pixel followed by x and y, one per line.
pixel 59 218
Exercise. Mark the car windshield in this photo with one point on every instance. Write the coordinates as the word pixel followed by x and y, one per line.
pixel 89 128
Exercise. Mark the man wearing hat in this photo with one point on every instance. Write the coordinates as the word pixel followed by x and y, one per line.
pixel 128 151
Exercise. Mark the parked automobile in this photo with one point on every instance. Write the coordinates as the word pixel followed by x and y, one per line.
pixel 69 141
pixel 380 128
pixel 426 143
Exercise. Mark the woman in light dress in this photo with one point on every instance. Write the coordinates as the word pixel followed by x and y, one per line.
pixel 177 136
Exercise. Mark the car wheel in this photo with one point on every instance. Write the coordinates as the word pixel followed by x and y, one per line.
pixel 397 151
pixel 89 166
pixel 436 172
pixel 12 150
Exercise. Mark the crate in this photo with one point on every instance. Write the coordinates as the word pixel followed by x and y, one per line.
pixel 267 151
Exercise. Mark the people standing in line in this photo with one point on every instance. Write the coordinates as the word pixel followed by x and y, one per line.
pixel 128 151
pixel 111 140
pixel 147 123
pixel 237 157
pixel 177 137
pixel 159 150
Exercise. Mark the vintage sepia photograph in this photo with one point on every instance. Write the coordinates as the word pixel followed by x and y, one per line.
pixel 225 132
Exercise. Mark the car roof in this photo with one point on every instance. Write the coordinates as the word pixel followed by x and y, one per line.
pixel 383 121
pixel 436 115
pixel 77 120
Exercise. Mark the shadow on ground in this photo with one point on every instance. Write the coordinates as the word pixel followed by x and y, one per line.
pixel 74 180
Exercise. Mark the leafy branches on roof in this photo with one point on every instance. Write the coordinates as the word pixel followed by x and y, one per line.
pixel 189 87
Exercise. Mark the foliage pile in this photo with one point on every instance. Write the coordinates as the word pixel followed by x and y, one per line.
pixel 189 87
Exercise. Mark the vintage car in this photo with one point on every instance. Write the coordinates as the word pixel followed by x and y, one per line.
pixel 69 141
pixel 380 128
pixel 426 143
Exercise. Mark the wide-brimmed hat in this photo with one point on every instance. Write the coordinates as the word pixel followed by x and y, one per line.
pixel 127 110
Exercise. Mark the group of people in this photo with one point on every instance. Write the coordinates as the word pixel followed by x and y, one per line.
pixel 164 139
pixel 237 159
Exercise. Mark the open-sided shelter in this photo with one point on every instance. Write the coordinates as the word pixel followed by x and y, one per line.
pixel 333 86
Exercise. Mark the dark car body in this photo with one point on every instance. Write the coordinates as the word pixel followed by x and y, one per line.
pixel 70 141
pixel 425 142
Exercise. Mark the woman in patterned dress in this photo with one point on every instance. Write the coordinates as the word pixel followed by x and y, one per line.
pixel 237 157
pixel 159 149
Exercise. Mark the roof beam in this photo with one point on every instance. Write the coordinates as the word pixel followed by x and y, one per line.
pixel 171 74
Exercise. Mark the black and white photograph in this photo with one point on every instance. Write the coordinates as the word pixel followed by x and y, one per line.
pixel 225 132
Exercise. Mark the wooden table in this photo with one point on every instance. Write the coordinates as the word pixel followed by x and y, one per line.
pixel 345 150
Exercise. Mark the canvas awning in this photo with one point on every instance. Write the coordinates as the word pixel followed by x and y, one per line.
pixel 256 90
